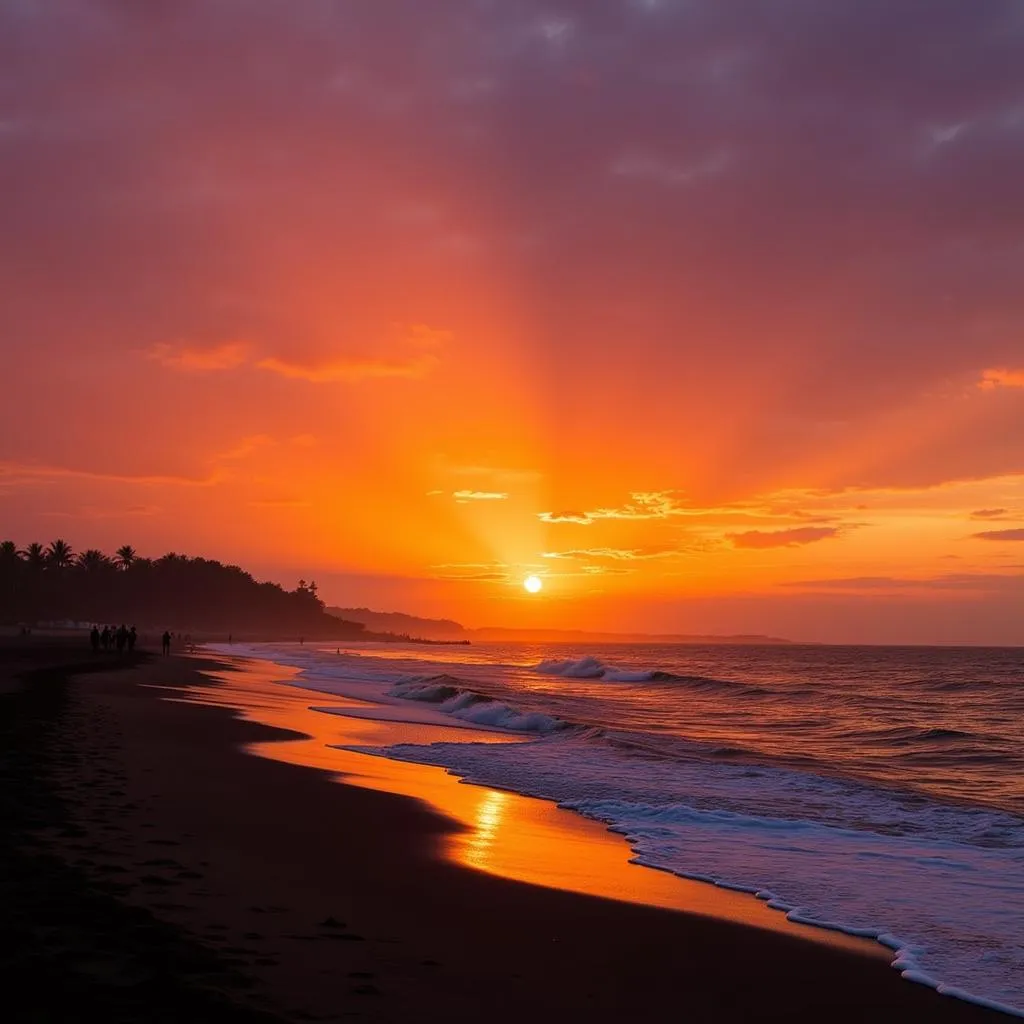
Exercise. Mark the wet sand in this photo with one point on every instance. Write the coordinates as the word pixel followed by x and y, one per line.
pixel 210 884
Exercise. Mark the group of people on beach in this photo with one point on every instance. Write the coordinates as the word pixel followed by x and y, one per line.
pixel 124 637
pixel 117 637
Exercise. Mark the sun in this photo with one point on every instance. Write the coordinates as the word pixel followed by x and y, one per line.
pixel 533 584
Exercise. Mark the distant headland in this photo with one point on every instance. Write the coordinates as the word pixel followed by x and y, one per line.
pixel 450 631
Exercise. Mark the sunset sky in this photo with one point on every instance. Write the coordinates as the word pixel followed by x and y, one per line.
pixel 708 312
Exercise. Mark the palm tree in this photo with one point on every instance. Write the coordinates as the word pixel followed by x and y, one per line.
pixel 59 554
pixel 125 556
pixel 35 555
pixel 92 560
pixel 8 552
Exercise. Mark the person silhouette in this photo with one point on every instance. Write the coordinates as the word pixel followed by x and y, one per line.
pixel 165 643
pixel 132 637
pixel 94 639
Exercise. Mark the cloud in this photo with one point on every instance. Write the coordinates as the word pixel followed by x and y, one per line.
pixel 783 538
pixel 21 472
pixel 642 505
pixel 243 182
pixel 989 513
pixel 415 355
pixel 478 572
pixel 565 517
pixel 663 172
pixel 615 554
pixel 477 577
pixel 999 535
pixel 350 368
pixel 1001 378
pixel 986 582
pixel 464 496
pixel 192 359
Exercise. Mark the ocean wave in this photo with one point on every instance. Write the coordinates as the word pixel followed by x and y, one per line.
pixel 910 735
pixel 919 876
pixel 573 668
pixel 470 706
pixel 589 667
pixel 717 766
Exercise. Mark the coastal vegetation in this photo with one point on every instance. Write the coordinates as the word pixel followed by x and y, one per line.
pixel 53 584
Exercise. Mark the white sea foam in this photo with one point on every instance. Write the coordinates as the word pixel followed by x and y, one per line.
pixel 955 902
pixel 366 679
pixel 471 707
pixel 575 668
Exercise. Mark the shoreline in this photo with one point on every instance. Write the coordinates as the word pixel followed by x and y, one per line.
pixel 338 899
pixel 500 832
pixel 619 872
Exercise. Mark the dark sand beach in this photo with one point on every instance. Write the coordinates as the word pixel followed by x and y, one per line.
pixel 154 870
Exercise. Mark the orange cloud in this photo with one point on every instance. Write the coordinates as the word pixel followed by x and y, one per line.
pixel 783 538
pixel 18 472
pixel 583 518
pixel 416 355
pixel 1000 535
pixel 1002 378
pixel 616 554
pixel 349 369
pixel 479 572
pixel 192 359
pixel 463 496
pixel 417 347
pixel 643 505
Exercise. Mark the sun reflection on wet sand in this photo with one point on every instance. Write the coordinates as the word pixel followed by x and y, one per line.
pixel 500 833
pixel 477 846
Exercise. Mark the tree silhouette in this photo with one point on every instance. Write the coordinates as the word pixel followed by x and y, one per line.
pixel 59 554
pixel 35 556
pixel 172 592
pixel 93 560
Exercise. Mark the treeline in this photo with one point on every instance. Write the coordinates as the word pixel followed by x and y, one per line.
pixel 52 583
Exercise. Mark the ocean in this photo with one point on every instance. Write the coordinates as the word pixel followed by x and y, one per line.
pixel 874 790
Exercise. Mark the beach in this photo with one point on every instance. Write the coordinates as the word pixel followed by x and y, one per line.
pixel 252 888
